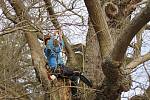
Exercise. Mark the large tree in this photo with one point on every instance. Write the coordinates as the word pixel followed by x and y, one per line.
pixel 110 32
pixel 113 51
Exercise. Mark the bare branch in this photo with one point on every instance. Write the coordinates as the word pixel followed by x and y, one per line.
pixel 131 6
pixel 71 54
pixel 129 32
pixel 15 20
pixel 10 91
pixel 138 43
pixel 138 61
pixel 70 9
pixel 142 2
pixel 6 12
pixel 147 27
pixel 8 31
pixel 52 15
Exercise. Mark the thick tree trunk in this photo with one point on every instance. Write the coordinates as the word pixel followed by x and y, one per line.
pixel 100 26
pixel 38 62
pixel 36 50
pixel 93 61
pixel 115 80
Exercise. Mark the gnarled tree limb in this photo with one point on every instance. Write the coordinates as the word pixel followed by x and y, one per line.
pixel 15 19
pixel 6 12
pixel 36 50
pixel 100 26
pixel 129 32
pixel 133 64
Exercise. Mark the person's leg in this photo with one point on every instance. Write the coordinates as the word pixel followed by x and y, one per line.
pixel 66 71
pixel 74 82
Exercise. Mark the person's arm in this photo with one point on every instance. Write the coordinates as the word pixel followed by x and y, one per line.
pixel 50 44
pixel 45 51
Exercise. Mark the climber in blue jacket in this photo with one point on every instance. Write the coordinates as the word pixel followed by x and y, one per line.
pixel 53 50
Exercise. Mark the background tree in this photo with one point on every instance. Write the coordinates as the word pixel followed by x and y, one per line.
pixel 110 31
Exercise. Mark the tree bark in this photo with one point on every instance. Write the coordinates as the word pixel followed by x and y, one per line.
pixel 100 26
pixel 93 60
pixel 6 12
pixel 129 32
pixel 36 50
pixel 115 81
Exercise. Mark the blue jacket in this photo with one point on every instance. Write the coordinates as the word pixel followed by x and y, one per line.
pixel 53 54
